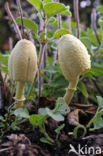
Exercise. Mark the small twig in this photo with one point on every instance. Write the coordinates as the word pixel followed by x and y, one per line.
pixel 10 43
pixel 76 14
pixel 21 14
pixel 13 19
pixel 41 53
pixel 5 149
pixel 10 107
pixel 42 48
pixel 93 23
pixel 39 81
pixel 69 23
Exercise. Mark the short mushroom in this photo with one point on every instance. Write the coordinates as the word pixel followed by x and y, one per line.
pixel 22 67
pixel 74 61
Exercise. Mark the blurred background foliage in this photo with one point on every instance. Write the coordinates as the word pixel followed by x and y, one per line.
pixel 53 82
pixel 7 31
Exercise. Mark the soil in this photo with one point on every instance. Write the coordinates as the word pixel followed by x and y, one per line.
pixel 26 141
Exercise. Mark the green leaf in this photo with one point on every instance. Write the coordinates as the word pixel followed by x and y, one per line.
pixel 1 118
pixel 14 126
pixel 87 42
pixel 100 101
pixel 66 12
pixel 60 33
pixel 21 112
pixel 61 107
pixel 83 89
pixel 47 1
pixel 4 59
pixel 92 37
pixel 52 20
pixel 54 8
pixel 2 124
pixel 5 69
pixel 98 121
pixel 37 120
pixel 59 128
pixel 28 24
pixel 97 70
pixel 36 3
pixel 56 116
pixel 58 112
pixel 100 8
pixel 44 140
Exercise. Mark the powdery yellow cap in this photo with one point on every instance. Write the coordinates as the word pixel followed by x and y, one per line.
pixel 73 57
pixel 22 63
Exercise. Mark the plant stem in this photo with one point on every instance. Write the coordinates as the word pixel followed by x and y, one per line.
pixel 21 14
pixel 69 23
pixel 39 81
pixel 42 129
pixel 13 19
pixel 41 55
pixel 91 121
pixel 76 14
pixel 70 90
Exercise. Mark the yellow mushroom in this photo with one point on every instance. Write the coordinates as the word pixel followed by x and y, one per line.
pixel 74 61
pixel 22 67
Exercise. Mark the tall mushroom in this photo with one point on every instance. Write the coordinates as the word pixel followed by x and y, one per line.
pixel 74 61
pixel 22 66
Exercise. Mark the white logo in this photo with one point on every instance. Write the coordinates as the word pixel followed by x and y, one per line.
pixel 85 150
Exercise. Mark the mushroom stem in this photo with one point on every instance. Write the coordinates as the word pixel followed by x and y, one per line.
pixel 70 90
pixel 20 94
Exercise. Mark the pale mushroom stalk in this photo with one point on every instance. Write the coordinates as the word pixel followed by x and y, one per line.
pixel 70 90
pixel 19 98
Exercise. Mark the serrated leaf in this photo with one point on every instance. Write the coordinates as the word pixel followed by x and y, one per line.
pixel 28 24
pixel 36 3
pixel 54 8
pixel 21 112
pixel 60 33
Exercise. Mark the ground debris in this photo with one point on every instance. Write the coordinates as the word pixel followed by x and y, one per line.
pixel 20 145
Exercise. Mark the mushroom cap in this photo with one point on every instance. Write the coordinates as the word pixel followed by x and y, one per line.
pixel 22 63
pixel 73 57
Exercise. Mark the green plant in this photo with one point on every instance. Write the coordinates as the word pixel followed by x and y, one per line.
pixel 38 120
pixel 97 120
